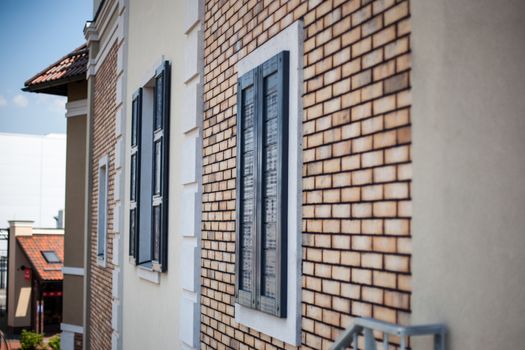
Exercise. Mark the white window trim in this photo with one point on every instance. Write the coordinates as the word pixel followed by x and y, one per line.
pixel 103 162
pixel 285 329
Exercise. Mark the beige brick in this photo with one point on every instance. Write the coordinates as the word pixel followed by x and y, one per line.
pixel 373 295
pixel 384 104
pixel 397 154
pixel 341 241
pixel 341 273
pixel 362 111
pixel 361 309
pixel 349 258
pixel 397 118
pixel 361 276
pixel 385 209
pixel 331 226
pixel 384 279
pixel 372 260
pixel 351 226
pixel 373 58
pixel 404 208
pixel 370 193
pixel 372 226
pixel 361 210
pixel 396 13
pixel 398 190
pixel 351 162
pixel 384 314
pixel 362 144
pixel 363 46
pixel 384 70
pixel 362 177
pixel 351 130
pixel 351 291
pixel 404 282
pixel 331 287
pixel 352 194
pixel 397 263
pixel 384 244
pixel 397 300
pixel 341 148
pixel 397 227
pixel 342 180
pixel 396 83
pixel 404 135
pixel 371 159
pixel 396 48
pixel 385 174
pixel 363 243
pixel 341 210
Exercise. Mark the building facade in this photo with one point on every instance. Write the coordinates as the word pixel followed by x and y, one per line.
pixel 162 199
pixel 263 173
pixel 67 77
pixel 106 89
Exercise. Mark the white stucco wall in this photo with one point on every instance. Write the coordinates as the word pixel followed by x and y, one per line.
pixel 160 310
pixel 469 165
pixel 32 178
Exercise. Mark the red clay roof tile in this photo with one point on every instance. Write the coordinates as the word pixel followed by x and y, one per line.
pixel 34 245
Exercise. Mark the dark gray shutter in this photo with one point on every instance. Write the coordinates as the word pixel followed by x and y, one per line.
pixel 160 167
pixel 274 189
pixel 246 273
pixel 134 197
pixel 262 129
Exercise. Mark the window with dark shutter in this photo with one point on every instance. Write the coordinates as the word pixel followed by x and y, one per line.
pixel 149 166
pixel 136 120
pixel 159 222
pixel 262 126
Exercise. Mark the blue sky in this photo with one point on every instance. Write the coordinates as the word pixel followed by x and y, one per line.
pixel 34 34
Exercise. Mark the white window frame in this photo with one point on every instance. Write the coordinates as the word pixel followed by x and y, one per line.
pixel 103 163
pixel 285 329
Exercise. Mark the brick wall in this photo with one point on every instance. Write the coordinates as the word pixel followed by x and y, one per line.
pixel 78 341
pixel 356 174
pixel 103 143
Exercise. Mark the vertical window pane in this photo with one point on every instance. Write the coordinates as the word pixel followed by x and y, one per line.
pixel 102 202
pixel 159 101
pixel 134 117
pixel 133 180
pixel 157 168
pixel 247 191
pixel 157 226
pixel 132 230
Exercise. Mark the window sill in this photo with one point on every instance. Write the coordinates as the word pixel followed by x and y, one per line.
pixel 146 272
pixel 101 261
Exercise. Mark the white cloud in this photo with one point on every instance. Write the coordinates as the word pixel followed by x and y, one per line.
pixel 21 101
pixel 52 103
pixel 3 101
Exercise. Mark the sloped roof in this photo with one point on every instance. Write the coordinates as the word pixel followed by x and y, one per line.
pixel 34 245
pixel 71 67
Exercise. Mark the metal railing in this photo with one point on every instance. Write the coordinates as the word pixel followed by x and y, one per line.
pixel 367 326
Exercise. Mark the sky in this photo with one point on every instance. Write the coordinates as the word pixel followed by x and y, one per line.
pixel 33 35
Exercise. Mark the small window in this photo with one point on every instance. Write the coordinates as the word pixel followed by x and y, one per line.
pixel 103 174
pixel 149 171
pixel 51 257
pixel 262 125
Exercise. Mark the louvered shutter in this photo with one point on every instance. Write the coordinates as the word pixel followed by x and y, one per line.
pixel 246 273
pixel 262 153
pixel 160 168
pixel 134 196
pixel 274 190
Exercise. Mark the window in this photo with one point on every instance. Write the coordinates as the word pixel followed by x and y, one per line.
pixel 51 256
pixel 103 174
pixel 149 165
pixel 262 151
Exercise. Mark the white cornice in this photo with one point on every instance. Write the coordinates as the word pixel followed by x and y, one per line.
pixel 76 108
pixel 74 271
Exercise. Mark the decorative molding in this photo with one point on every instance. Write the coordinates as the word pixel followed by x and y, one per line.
pixel 66 327
pixel 76 108
pixel 148 275
pixel 73 271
